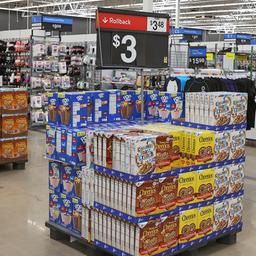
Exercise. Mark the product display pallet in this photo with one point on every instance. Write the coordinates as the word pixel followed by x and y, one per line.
pixel 227 236
pixel 16 165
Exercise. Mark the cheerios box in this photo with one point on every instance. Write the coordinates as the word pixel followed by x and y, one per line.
pixel 76 147
pixel 204 221
pixel 114 99
pixel 127 104
pixel 152 104
pixel 204 185
pixel 55 176
pixel 165 106
pixel 54 206
pixel 66 211
pixel 188 226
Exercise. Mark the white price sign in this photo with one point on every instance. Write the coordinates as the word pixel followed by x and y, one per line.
pixel 157 24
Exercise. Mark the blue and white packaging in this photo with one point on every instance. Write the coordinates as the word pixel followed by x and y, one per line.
pixel 127 104
pixel 55 176
pixel 151 104
pixel 77 215
pixel 54 206
pixel 61 143
pixel 179 111
pixel 76 147
pixel 73 109
pixel 100 106
pixel 53 104
pixel 114 111
pixel 137 104
pixel 51 142
pixel 67 180
pixel 66 211
pixel 165 107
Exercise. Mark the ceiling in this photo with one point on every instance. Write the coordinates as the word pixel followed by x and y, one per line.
pixel 220 15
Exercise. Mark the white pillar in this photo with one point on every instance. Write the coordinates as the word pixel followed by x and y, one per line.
pixel 177 14
pixel 148 5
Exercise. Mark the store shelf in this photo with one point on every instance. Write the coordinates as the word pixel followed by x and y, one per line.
pixel 140 219
pixel 138 178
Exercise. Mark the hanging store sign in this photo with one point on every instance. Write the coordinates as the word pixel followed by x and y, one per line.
pixel 230 56
pixel 131 39
pixel 197 56
pixel 188 34
pixel 210 56
pixel 239 39
pixel 52 23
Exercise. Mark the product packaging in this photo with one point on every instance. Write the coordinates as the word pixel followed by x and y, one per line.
pixel 114 113
pixel 127 104
pixel 205 221
pixel 66 211
pixel 55 176
pixel 221 181
pixel 77 215
pixel 166 106
pixel 54 207
pixel 152 105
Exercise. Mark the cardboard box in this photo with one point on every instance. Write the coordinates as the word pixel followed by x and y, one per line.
pixel 66 211
pixel 166 106
pixel 236 177
pixel 237 144
pixel 239 108
pixel 77 215
pixel 152 105
pixel 138 103
pixel 179 110
pixel 127 104
pixel 222 146
pixel 221 215
pixel 51 142
pixel 53 106
pixel 235 211
pixel 100 106
pixel 221 181
pixel 55 176
pixel 205 221
pixel 54 206
pixel 114 113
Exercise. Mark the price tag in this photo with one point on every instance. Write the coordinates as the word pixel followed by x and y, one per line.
pixel 156 24
pixel 230 56
pixel 209 56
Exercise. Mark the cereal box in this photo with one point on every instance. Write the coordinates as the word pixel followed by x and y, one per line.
pixel 7 102
pixel 147 238
pixel 202 149
pixel 221 215
pixel 235 211
pixel 205 221
pixel 138 104
pixel 67 179
pixel 53 116
pixel 236 177
pixel 152 104
pixel 221 181
pixel 55 176
pixel 197 107
pixel 204 185
pixel 222 146
pixel 239 108
pixel 238 139
pixel 114 112
pixel 186 188
pixel 187 226
pixel 169 232
pixel 54 207
pixel 77 215
pixel 168 187
pixel 66 211
pixel 146 197
pixel 127 104
pixel 178 112
pixel 20 101
pixel 20 149
pixel 165 106
pixel 220 109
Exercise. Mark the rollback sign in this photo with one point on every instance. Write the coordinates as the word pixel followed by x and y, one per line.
pixel 131 39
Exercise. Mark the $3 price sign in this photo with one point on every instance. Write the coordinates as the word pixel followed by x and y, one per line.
pixel 129 42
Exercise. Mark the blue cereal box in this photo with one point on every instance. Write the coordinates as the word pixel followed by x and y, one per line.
pixel 77 181
pixel 89 98
pixel 127 104
pixel 67 180
pixel 76 147
pixel 55 176
pixel 179 111
pixel 61 142
pixel 54 206
pixel 151 105
pixel 51 141
pixel 100 106
pixel 53 116
pixel 138 103
pixel 73 109
pixel 114 99
pixel 77 215
pixel 166 106
pixel 66 211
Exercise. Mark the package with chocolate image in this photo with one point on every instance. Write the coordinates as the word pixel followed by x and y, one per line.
pixel 55 176
pixel 138 104
pixel 53 106
pixel 127 104
pixel 166 106
pixel 54 206
pixel 152 105
pixel 77 215
pixel 67 180
pixel 66 211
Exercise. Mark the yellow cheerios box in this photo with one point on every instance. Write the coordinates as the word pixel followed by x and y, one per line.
pixel 186 188
pixel 204 185
pixel 204 221
pixel 187 226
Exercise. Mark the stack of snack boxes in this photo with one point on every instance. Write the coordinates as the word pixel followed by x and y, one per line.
pixel 14 125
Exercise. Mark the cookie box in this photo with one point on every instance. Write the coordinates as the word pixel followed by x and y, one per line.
pixel 54 206
pixel 55 176
pixel 66 211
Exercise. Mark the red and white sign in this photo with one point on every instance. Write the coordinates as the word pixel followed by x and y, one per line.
pixel 106 20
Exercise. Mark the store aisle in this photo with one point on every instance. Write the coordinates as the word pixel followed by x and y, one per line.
pixel 24 209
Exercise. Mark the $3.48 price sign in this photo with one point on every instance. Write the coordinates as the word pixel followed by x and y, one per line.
pixel 128 44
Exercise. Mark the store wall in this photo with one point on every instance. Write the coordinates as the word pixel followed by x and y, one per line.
pixel 15 20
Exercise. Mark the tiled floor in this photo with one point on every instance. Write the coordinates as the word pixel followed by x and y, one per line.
pixel 24 209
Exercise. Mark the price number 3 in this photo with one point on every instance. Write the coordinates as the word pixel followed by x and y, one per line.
pixel 130 41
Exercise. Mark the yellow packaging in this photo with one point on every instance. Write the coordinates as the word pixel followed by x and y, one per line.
pixel 204 185
pixel 188 149
pixel 204 221
pixel 203 147
pixel 186 188
pixel 183 148
pixel 188 226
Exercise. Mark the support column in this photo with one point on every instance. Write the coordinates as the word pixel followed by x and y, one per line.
pixel 177 14
pixel 148 5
